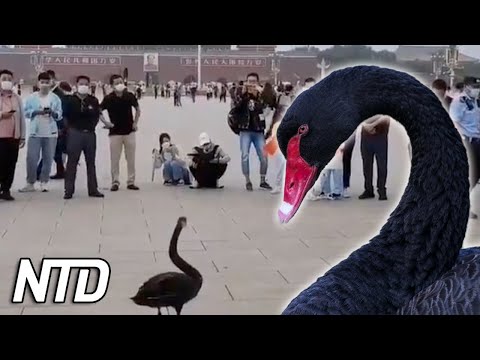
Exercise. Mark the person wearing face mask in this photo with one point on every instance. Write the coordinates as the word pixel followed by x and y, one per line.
pixel 119 104
pixel 43 109
pixel 174 167
pixel 60 148
pixel 12 132
pixel 465 113
pixel 81 115
pixel 208 163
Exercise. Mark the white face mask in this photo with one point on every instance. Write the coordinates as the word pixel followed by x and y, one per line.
pixel 6 85
pixel 83 89
pixel 166 144
pixel 44 87
pixel 472 92
pixel 119 87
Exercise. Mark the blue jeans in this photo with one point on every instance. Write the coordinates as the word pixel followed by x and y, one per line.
pixel 331 181
pixel 36 146
pixel 173 170
pixel 247 138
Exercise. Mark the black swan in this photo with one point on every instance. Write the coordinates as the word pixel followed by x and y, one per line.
pixel 171 289
pixel 415 265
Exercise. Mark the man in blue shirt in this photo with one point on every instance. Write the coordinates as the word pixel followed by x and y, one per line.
pixel 465 113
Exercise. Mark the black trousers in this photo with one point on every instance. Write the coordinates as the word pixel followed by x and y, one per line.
pixel 207 175
pixel 223 97
pixel 8 161
pixel 78 142
pixel 375 147
pixel 473 151
pixel 347 160
pixel 193 93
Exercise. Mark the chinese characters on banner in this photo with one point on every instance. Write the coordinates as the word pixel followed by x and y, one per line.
pixel 226 61
pixel 79 60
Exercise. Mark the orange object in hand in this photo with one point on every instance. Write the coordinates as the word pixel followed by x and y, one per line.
pixel 271 147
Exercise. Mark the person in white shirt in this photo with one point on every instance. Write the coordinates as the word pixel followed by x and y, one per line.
pixel 330 183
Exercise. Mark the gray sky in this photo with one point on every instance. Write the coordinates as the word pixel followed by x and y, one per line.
pixel 471 50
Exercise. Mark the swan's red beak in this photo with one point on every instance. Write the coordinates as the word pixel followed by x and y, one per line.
pixel 299 178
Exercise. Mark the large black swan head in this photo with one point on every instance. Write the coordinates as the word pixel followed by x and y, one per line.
pixel 324 116
pixel 313 128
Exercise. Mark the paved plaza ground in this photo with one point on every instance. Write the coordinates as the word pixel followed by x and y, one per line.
pixel 250 263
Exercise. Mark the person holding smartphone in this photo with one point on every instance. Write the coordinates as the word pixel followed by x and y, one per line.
pixel 43 109
pixel 12 132
pixel 248 117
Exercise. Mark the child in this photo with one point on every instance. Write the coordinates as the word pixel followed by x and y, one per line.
pixel 331 179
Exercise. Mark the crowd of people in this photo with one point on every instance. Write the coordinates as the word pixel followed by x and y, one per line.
pixel 62 119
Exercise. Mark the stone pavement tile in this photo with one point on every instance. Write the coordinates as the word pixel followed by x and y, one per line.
pixel 247 307
pixel 88 247
pixel 238 260
pixel 258 288
pixel 338 249
pixel 182 246
pixel 118 259
pixel 76 252
pixel 279 256
pixel 277 242
pixel 200 260
pixel 228 246
pixel 11 311
pixel 76 234
pixel 25 236
pixel 160 233
pixel 222 229
pixel 140 242
pixel 117 307
pixel 303 272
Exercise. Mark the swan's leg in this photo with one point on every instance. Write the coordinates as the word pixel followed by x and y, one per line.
pixel 178 309
pixel 159 311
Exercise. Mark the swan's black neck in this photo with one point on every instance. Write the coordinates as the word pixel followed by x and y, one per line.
pixel 178 261
pixel 423 236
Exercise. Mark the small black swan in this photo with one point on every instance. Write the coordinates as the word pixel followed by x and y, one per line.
pixel 172 288
pixel 415 265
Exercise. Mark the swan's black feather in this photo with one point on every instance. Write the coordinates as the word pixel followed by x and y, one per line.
pixel 455 293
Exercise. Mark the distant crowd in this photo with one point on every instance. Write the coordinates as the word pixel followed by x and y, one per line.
pixel 62 120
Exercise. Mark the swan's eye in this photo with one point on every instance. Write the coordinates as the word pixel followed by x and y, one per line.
pixel 303 129
pixel 292 184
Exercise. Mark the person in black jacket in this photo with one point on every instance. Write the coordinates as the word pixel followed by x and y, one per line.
pixel 208 163
pixel 250 121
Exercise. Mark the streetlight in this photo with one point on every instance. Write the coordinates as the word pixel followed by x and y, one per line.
pixel 438 61
pixel 199 67
pixel 38 59
pixel 452 61
pixel 275 67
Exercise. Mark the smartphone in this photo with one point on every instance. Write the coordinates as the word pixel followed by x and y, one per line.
pixel 46 109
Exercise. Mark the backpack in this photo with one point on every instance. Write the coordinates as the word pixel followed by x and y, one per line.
pixel 202 157
pixel 233 120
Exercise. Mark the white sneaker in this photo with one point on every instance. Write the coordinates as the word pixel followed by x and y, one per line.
pixel 276 190
pixel 27 188
pixel 44 187
pixel 346 193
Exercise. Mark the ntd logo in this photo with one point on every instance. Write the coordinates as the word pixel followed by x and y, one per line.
pixel 39 284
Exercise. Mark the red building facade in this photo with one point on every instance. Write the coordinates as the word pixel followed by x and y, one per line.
pixel 178 66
